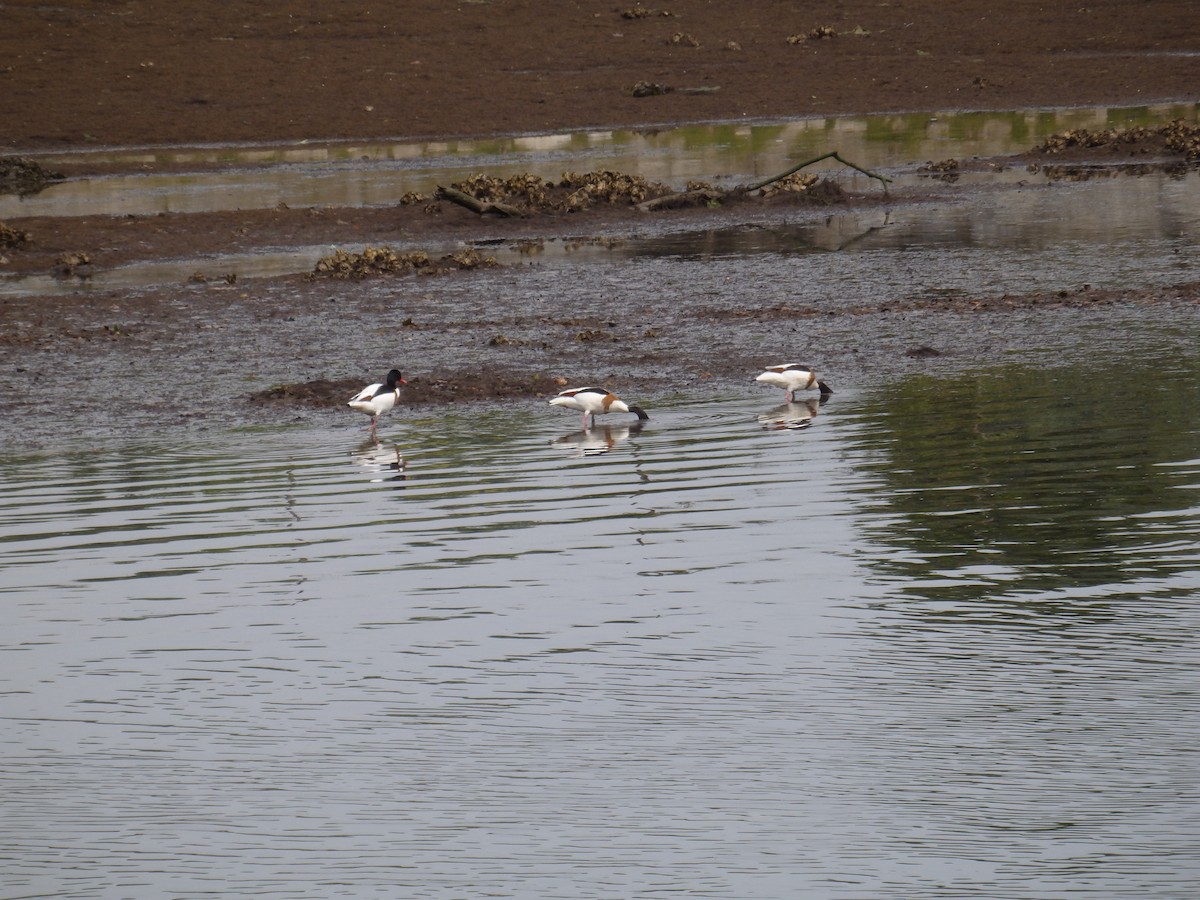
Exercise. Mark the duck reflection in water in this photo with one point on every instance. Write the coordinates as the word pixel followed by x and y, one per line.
pixel 595 441
pixel 791 416
pixel 385 460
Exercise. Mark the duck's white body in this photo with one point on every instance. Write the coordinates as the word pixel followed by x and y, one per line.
pixel 793 377
pixel 376 399
pixel 594 402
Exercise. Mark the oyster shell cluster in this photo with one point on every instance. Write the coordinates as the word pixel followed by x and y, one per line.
pixel 816 34
pixel 529 191
pixel 822 32
pixel 945 170
pixel 13 237
pixel 571 193
pixel 796 183
pixel 649 89
pixel 608 187
pixel 386 261
pixel 637 11
pixel 1176 137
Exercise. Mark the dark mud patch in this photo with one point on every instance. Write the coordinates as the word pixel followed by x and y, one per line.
pixel 434 388
pixel 1083 297
pixel 923 352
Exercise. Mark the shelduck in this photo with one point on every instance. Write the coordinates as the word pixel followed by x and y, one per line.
pixel 794 377
pixel 592 402
pixel 376 399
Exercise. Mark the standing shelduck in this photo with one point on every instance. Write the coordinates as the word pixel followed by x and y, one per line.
pixel 594 402
pixel 376 399
pixel 794 377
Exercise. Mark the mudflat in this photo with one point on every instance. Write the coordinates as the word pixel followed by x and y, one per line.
pixel 77 74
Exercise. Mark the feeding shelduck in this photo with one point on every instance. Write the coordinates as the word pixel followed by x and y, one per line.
pixel 376 399
pixel 794 377
pixel 593 402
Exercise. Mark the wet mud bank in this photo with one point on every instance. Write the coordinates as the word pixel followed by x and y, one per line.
pixel 292 351
pixel 689 315
pixel 949 323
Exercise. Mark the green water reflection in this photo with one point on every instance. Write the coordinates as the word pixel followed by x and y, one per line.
pixel 1059 486
pixel 902 136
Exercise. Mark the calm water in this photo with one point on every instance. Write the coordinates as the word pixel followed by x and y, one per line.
pixel 938 640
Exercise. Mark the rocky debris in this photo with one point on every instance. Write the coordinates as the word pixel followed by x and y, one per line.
pixel 20 175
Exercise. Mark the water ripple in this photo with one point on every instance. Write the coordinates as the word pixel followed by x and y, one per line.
pixel 898 652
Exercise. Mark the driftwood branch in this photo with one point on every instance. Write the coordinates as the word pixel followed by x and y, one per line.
pixel 833 155
pixel 483 207
pixel 683 198
pixel 714 195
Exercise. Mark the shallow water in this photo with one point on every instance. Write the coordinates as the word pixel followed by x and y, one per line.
pixel 1141 220
pixel 1111 231
pixel 938 638
pixel 1143 225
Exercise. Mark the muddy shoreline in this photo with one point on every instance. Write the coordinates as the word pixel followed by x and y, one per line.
pixel 219 349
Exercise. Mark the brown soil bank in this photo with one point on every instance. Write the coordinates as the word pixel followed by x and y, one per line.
pixel 133 72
